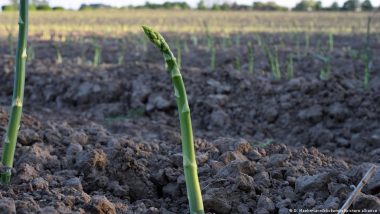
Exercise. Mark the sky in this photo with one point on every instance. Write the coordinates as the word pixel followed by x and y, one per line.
pixel 75 4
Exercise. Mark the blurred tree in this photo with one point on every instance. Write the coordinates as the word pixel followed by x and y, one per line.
pixel 305 5
pixel 318 5
pixel 269 6
pixel 334 7
pixel 14 3
pixel 201 5
pixel 32 6
pixel 43 7
pixel 58 8
pixel 39 2
pixel 367 5
pixel 225 6
pixel 216 7
pixel 352 5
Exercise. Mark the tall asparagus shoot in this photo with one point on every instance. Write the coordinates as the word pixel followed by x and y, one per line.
pixel 10 138
pixel 189 163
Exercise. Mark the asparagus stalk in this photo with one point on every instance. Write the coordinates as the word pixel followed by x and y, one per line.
pixel 250 57
pixel 10 138
pixel 213 58
pixel 189 163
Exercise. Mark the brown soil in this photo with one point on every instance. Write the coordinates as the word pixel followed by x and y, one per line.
pixel 106 139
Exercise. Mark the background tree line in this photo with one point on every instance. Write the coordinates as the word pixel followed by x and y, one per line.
pixel 303 5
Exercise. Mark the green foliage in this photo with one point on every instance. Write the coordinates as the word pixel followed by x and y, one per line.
pixel 216 7
pixel 269 6
pixel 85 7
pixel 43 7
pixel 306 5
pixel 32 8
pixel 166 5
pixel 201 5
pixel 334 7
pixel 58 8
pixel 367 5
pixel 225 6
pixel 351 5
pixel 8 8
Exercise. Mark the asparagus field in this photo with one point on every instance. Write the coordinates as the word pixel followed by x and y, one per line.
pixel 284 112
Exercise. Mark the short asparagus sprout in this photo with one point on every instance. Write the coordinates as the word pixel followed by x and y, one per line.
pixel 144 44
pixel 237 40
pixel 368 55
pixel 10 138
pixel 290 67
pixel 213 58
pixel 318 46
pixel 97 55
pixel 224 43
pixel 307 43
pixel 273 62
pixel 121 55
pixel 331 41
pixel 190 166
pixel 186 46
pixel 326 70
pixel 298 47
pixel 208 35
pixel 259 40
pixel 179 57
pixel 194 38
pixel 58 57
pixel 10 42
pixel 237 62
pixel 31 53
pixel 250 58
